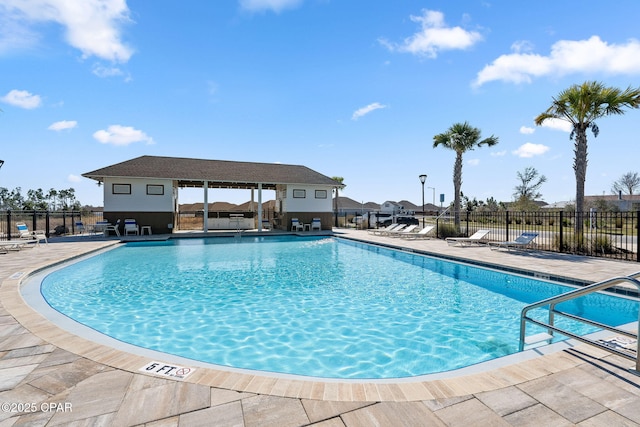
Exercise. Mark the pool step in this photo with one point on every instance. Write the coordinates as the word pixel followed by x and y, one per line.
pixel 537 339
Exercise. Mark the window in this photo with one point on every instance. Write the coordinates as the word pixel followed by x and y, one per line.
pixel 321 194
pixel 155 190
pixel 299 194
pixel 121 188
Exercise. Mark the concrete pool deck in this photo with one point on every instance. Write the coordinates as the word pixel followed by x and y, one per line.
pixel 49 376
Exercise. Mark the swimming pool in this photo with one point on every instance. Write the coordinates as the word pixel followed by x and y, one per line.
pixel 322 307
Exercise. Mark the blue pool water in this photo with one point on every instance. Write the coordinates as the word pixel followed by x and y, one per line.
pixel 312 306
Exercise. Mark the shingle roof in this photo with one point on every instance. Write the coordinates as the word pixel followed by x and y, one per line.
pixel 220 173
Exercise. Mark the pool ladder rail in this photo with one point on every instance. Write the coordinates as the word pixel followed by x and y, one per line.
pixel 553 311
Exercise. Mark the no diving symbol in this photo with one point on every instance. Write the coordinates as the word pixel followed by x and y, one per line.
pixel 183 372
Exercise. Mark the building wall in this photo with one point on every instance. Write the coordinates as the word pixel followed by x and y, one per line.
pixel 138 195
pixel 148 201
pixel 305 198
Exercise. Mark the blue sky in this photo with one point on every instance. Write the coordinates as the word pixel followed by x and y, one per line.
pixel 351 88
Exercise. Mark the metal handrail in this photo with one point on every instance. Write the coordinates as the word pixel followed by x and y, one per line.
pixel 553 301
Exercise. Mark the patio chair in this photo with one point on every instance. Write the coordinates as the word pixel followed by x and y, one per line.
pixel 522 242
pixel 296 225
pixel 12 245
pixel 131 227
pixel 424 233
pixel 35 235
pixel 316 224
pixel 382 230
pixel 474 239
pixel 79 227
pixel 402 232
pixel 112 227
pixel 266 225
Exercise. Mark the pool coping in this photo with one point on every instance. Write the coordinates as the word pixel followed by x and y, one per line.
pixel 410 389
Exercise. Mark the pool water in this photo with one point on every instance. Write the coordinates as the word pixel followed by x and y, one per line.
pixel 314 306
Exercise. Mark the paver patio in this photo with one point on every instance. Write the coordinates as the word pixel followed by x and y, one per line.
pixel 51 377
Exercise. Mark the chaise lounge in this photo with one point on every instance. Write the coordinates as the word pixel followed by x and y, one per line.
pixel 475 239
pixel 522 242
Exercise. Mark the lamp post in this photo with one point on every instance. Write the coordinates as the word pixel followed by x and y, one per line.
pixel 423 178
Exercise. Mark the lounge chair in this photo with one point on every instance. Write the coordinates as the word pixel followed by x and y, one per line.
pixel 381 230
pixel 79 227
pixel 316 224
pixel 35 235
pixel 403 232
pixel 11 245
pixel 296 225
pixel 131 227
pixel 474 239
pixel 422 234
pixel 522 242
pixel 266 225
pixel 112 227
pixel 393 230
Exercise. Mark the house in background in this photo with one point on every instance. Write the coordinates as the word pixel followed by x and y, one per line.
pixel 146 189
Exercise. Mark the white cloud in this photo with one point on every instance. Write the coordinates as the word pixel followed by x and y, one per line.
pixel 527 130
pixel 63 124
pixel 121 135
pixel 499 153
pixel 274 5
pixel 434 36
pixel 74 178
pixel 529 150
pixel 567 57
pixel 557 124
pixel 473 162
pixel 102 71
pixel 366 110
pixel 92 26
pixel 22 99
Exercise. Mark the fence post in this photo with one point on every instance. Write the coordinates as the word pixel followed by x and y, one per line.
pixel 506 226
pixel 9 225
pixel 561 238
pixel 637 236
pixel 46 229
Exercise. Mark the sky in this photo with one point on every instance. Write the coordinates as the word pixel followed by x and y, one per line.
pixel 350 88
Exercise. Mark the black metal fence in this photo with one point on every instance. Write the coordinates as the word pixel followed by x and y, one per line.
pixel 602 234
pixel 52 223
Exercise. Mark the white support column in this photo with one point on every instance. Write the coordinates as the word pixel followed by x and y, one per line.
pixel 205 217
pixel 259 207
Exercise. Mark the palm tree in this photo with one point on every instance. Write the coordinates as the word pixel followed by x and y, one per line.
pixel 461 137
pixel 581 105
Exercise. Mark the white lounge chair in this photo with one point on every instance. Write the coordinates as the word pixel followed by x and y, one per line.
pixel 296 225
pixel 12 245
pixel 266 225
pixel 403 232
pixel 35 235
pixel 79 227
pixel 399 227
pixel 131 227
pixel 112 227
pixel 424 233
pixel 316 224
pixel 474 239
pixel 522 242
pixel 381 230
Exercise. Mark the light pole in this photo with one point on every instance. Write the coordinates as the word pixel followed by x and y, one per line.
pixel 423 178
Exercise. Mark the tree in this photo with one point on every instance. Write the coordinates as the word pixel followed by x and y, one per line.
pixel 626 184
pixel 340 180
pixel 461 137
pixel 530 182
pixel 581 105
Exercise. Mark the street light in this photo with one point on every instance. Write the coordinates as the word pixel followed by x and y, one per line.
pixel 423 178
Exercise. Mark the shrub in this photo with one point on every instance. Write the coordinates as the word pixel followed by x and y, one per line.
pixel 447 230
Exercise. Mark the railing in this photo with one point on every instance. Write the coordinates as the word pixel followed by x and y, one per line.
pixel 611 235
pixel 51 222
pixel 551 328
